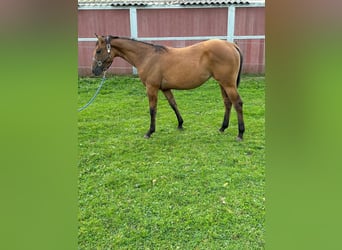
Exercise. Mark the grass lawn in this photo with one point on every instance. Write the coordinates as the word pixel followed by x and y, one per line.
pixel 191 189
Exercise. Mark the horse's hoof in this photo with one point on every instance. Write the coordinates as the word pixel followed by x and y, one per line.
pixel 180 128
pixel 238 138
pixel 147 136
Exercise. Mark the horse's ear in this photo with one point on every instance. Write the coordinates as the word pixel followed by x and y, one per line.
pixel 99 38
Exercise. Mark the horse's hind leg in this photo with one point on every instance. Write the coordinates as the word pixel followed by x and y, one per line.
pixel 169 96
pixel 235 98
pixel 227 106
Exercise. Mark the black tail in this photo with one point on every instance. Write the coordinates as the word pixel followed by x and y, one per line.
pixel 240 69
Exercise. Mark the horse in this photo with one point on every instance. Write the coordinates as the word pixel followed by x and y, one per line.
pixel 165 68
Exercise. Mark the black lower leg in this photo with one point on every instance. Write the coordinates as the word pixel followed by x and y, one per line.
pixel 225 123
pixel 179 117
pixel 169 96
pixel 227 106
pixel 241 124
pixel 241 130
pixel 152 124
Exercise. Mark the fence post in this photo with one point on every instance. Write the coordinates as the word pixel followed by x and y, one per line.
pixel 231 23
pixel 134 29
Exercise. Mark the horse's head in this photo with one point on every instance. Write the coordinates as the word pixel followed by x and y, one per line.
pixel 102 56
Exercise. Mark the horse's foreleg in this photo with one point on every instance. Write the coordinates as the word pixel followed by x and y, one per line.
pixel 152 94
pixel 227 106
pixel 169 96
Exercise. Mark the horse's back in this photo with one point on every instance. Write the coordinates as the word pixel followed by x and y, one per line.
pixel 215 50
pixel 189 67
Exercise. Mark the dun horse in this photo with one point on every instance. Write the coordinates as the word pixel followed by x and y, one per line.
pixel 165 68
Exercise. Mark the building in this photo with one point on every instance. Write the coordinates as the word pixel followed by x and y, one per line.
pixel 175 23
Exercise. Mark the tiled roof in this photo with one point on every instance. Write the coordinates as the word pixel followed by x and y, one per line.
pixel 163 2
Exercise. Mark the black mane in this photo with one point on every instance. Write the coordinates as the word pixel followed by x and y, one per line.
pixel 157 48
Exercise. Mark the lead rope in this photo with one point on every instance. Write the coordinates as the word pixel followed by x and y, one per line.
pixel 96 93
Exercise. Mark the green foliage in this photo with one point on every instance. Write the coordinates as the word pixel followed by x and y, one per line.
pixel 191 189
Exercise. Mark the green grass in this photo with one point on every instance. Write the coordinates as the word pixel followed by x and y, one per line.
pixel 191 189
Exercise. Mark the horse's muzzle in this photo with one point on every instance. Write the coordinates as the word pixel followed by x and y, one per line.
pixel 97 71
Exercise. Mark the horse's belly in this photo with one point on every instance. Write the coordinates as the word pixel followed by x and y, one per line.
pixel 185 77
pixel 184 83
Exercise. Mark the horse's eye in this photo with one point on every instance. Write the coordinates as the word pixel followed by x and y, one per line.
pixel 98 51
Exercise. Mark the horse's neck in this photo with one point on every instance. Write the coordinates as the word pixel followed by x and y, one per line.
pixel 131 51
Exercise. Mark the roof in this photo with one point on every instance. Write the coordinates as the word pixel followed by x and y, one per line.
pixel 115 3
